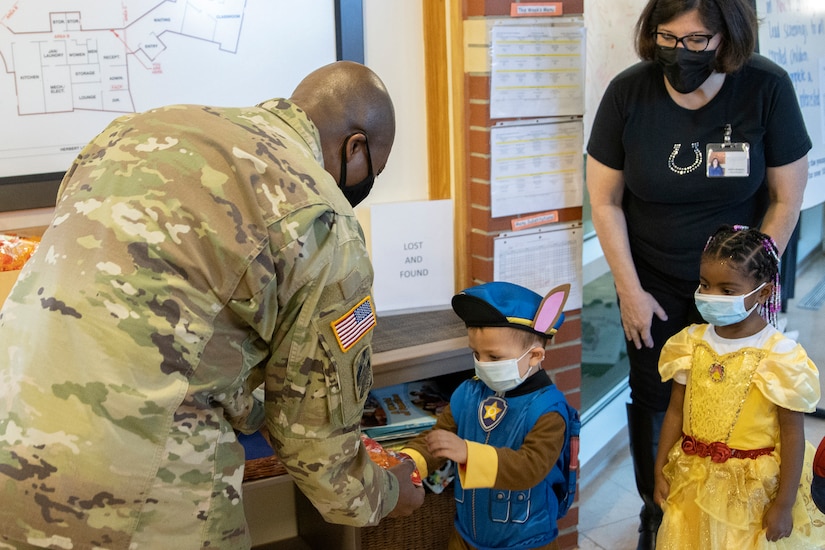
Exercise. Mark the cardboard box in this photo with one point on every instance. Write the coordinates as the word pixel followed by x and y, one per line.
pixel 7 279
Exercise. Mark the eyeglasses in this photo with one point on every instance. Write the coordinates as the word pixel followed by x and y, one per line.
pixel 692 42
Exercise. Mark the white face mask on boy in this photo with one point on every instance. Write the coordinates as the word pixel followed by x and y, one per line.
pixel 501 376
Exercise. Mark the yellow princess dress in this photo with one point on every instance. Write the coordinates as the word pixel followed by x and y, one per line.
pixel 724 472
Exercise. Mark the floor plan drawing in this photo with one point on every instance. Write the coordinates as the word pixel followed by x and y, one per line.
pixel 69 67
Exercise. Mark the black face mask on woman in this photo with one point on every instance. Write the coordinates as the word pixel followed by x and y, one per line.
pixel 358 192
pixel 684 69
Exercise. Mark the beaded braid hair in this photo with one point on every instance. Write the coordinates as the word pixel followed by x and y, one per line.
pixel 758 256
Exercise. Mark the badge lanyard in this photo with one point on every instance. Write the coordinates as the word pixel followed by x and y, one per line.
pixel 728 159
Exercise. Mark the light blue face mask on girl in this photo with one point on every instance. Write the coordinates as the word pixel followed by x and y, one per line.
pixel 721 310
pixel 501 376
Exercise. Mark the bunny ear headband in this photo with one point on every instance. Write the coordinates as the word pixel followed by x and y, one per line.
pixel 502 304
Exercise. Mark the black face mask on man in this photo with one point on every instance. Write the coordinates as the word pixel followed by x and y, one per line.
pixel 358 192
pixel 684 69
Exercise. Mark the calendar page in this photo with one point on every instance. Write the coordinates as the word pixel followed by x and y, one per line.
pixel 541 260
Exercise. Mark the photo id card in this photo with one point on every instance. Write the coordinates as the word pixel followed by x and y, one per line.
pixel 728 160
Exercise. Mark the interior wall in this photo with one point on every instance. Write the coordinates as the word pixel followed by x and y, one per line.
pixel 608 50
pixel 394 49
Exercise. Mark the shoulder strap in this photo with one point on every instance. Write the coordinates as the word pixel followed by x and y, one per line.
pixel 570 455
pixel 553 400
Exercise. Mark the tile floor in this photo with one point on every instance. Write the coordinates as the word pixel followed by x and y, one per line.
pixel 609 504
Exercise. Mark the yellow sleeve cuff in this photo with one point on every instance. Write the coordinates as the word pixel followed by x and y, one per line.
pixel 419 460
pixel 481 468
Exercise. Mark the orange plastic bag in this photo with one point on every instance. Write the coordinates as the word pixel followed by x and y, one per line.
pixel 387 458
pixel 15 251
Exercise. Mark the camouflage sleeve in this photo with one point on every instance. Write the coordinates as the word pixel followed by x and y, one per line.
pixel 320 372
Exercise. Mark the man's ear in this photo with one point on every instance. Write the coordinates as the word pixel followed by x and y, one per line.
pixel 356 145
pixel 355 151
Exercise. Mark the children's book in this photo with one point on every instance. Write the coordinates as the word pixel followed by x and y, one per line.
pixel 402 410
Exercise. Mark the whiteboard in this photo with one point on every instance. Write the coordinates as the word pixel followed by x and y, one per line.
pixel 608 48
pixel 792 34
pixel 69 68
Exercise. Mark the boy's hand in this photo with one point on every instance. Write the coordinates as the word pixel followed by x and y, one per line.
pixel 444 444
pixel 777 522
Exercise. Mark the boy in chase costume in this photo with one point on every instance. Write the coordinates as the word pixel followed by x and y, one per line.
pixel 505 427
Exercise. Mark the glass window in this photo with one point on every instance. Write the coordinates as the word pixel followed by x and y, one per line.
pixel 604 357
pixel 587 218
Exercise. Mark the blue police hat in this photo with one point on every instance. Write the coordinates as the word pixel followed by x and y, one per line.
pixel 503 304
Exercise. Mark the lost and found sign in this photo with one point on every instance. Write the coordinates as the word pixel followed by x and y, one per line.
pixel 412 254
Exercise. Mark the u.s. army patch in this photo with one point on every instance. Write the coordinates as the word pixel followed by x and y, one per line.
pixel 363 373
pixel 354 324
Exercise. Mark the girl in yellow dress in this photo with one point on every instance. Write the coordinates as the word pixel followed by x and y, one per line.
pixel 733 470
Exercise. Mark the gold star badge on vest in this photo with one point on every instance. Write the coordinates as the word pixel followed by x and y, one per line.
pixel 491 411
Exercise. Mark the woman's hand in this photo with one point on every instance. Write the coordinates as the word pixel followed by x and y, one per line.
pixel 444 444
pixel 606 188
pixel 637 311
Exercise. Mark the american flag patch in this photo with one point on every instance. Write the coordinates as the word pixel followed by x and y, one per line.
pixel 354 324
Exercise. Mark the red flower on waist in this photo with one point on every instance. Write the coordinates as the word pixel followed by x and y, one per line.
pixel 693 446
pixel 719 452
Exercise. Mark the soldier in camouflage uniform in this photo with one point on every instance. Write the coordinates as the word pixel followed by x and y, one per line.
pixel 196 253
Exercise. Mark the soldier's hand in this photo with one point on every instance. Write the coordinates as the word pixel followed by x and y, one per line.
pixel 410 497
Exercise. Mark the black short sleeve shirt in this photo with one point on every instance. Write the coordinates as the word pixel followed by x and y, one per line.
pixel 670 204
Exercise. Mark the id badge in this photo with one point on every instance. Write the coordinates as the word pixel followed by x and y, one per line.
pixel 728 160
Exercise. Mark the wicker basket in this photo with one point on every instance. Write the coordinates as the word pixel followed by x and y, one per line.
pixel 267 466
pixel 428 528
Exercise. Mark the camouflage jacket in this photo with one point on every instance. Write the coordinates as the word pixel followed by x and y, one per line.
pixel 195 253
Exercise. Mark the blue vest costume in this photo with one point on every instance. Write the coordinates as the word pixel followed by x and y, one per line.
pixel 521 519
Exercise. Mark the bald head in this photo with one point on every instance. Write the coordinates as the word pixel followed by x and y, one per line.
pixel 344 98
